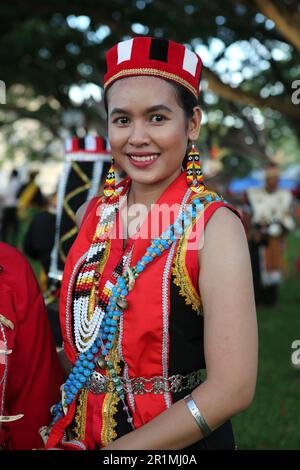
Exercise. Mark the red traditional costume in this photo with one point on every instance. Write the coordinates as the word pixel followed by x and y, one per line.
pixel 140 307
pixel 30 374
pixel 160 334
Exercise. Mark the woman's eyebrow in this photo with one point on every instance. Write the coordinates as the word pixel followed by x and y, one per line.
pixel 119 111
pixel 157 107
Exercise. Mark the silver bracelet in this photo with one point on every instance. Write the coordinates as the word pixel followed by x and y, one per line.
pixel 197 415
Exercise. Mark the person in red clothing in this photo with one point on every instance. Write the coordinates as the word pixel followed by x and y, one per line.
pixel 145 303
pixel 30 374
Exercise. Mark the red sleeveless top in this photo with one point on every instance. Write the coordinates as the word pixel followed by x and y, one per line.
pixel 144 336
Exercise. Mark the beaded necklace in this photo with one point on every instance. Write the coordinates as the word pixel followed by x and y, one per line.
pixel 88 309
pixel 96 334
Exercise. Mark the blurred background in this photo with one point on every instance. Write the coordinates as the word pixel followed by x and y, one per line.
pixel 53 148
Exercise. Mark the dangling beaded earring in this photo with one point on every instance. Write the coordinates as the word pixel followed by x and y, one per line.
pixel 110 181
pixel 194 174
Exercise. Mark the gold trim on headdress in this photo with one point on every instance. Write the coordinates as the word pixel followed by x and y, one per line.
pixel 152 72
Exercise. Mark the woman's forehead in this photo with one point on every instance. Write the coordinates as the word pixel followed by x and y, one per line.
pixel 150 88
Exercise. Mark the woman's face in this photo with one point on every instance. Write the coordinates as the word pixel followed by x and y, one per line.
pixel 147 129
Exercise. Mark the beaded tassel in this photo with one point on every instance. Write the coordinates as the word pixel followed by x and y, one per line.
pixel 110 182
pixel 194 174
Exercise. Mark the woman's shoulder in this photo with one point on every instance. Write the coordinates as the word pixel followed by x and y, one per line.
pixel 88 206
pixel 216 208
pixel 85 209
pixel 224 238
pixel 227 215
pixel 225 223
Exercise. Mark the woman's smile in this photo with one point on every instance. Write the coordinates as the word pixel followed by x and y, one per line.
pixel 142 159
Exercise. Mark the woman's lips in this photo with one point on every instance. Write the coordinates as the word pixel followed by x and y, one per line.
pixel 142 161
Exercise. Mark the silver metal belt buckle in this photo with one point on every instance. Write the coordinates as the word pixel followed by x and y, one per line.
pixel 176 383
pixel 97 383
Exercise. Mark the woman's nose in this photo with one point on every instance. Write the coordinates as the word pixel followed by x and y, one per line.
pixel 138 135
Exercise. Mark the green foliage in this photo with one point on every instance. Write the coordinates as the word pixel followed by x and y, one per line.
pixel 48 47
pixel 273 421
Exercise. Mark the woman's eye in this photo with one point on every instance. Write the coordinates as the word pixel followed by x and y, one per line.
pixel 121 120
pixel 157 118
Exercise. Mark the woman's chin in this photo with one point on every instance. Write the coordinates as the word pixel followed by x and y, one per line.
pixel 144 177
pixel 148 176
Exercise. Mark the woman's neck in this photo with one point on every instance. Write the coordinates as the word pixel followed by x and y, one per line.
pixel 148 194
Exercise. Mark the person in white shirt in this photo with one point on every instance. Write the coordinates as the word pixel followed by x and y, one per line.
pixel 270 220
pixel 9 226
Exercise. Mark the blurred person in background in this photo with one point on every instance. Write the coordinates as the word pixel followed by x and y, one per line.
pixel 39 238
pixel 269 221
pixel 30 202
pixel 10 223
pixel 29 195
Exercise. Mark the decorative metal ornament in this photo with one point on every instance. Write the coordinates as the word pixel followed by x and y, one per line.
pixel 131 279
pixel 101 363
pixel 6 322
pixel 10 419
pixel 122 303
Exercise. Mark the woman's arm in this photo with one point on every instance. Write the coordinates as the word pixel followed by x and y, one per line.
pixel 230 334
pixel 230 341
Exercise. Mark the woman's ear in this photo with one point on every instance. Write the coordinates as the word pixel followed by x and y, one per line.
pixel 195 124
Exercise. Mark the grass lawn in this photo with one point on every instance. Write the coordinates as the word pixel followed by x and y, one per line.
pixel 273 419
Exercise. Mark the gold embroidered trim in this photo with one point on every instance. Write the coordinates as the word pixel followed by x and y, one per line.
pixel 154 72
pixel 181 276
pixel 109 424
pixel 111 400
pixel 80 417
pixel 179 269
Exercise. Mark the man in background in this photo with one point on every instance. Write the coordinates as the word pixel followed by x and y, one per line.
pixel 269 220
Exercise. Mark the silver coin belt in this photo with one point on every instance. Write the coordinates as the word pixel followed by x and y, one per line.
pixel 99 383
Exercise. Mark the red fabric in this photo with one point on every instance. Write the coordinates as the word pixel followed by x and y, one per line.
pixel 143 327
pixel 139 63
pixel 143 322
pixel 34 374
pixel 192 261
pixel 94 419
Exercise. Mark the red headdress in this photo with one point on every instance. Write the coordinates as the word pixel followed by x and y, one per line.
pixel 154 57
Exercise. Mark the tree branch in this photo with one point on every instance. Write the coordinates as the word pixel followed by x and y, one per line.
pixel 288 25
pixel 23 113
pixel 246 97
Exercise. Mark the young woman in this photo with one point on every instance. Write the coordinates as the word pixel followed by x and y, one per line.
pixel 148 300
